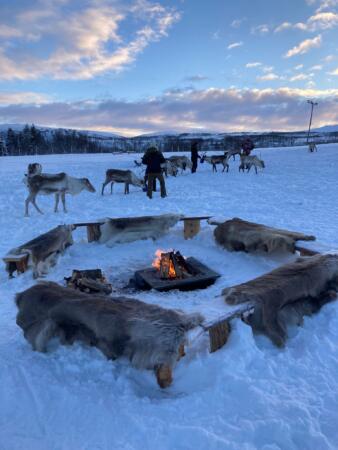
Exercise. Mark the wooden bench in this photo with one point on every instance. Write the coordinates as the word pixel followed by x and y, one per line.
pixel 93 230
pixel 18 263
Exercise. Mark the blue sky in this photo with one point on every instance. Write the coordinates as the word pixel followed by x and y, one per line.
pixel 138 66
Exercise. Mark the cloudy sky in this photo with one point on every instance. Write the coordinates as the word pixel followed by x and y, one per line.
pixel 140 66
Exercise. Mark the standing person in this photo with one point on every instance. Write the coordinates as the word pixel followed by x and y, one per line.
pixel 145 189
pixel 247 146
pixel 194 156
pixel 153 159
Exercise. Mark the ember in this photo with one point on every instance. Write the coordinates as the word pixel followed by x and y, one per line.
pixel 171 265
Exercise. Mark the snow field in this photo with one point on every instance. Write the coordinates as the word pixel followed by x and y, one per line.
pixel 249 395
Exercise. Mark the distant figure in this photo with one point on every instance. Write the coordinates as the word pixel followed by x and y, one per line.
pixel 194 156
pixel 153 159
pixel 247 146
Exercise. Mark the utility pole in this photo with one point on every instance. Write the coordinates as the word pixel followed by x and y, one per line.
pixel 312 103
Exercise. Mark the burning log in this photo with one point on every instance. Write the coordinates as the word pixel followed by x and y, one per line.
pixel 89 281
pixel 172 265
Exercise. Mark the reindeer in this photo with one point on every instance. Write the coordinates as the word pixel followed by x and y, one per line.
pixel 232 152
pixel 59 184
pixel 181 162
pixel 216 159
pixel 169 168
pixel 312 147
pixel 248 161
pixel 121 176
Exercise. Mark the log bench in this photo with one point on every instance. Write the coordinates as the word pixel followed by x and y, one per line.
pixel 18 263
pixel 192 226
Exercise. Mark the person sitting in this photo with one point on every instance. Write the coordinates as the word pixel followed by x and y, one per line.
pixel 153 159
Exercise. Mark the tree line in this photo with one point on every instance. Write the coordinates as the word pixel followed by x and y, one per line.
pixel 33 141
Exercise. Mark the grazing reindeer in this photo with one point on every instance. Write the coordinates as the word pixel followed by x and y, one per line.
pixel 121 176
pixel 181 162
pixel 216 159
pixel 312 147
pixel 59 184
pixel 248 161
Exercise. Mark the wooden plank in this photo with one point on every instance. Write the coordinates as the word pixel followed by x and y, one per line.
pixel 195 218
pixel 85 224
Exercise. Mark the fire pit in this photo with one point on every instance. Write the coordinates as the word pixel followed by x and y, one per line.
pixel 172 271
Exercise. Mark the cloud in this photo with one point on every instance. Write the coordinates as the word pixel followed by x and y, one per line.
pixel 334 72
pixel 206 109
pixel 81 39
pixel 317 22
pixel 317 67
pixel 253 64
pixel 235 45
pixel 302 77
pixel 260 29
pixel 22 98
pixel 304 46
pixel 299 67
pixel 238 22
pixel 327 4
pixel 283 26
pixel 268 77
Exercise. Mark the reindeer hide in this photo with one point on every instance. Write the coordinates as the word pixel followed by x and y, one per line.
pixel 134 228
pixel 43 249
pixel 308 280
pixel 146 334
pixel 240 235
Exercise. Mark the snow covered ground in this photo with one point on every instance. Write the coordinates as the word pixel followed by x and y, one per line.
pixel 249 395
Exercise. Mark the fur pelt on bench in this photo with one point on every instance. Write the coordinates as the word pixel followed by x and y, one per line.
pixel 150 336
pixel 43 250
pixel 240 235
pixel 309 280
pixel 130 229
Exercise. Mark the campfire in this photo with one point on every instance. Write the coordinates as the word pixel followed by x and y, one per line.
pixel 172 265
pixel 171 270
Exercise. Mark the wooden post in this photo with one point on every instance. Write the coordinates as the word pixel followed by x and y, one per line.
pixel 191 228
pixel 93 232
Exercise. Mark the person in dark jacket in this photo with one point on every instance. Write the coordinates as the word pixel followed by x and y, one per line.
pixel 153 159
pixel 247 146
pixel 194 156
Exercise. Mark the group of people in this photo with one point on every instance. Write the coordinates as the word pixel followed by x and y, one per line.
pixel 153 158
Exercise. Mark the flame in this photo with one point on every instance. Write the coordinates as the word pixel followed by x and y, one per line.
pixel 157 263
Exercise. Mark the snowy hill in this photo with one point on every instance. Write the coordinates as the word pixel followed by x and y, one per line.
pixel 248 395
